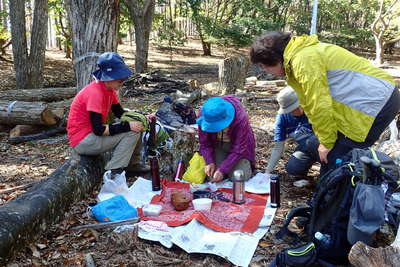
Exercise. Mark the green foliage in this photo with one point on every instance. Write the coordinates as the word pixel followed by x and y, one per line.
pixel 235 23
pixel 348 37
pixel 169 35
pixel 125 22
pixel 4 34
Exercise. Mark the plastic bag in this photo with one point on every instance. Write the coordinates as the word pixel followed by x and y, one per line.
pixel 115 187
pixel 114 209
pixel 195 172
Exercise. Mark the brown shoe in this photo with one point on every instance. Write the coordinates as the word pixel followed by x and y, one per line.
pixel 138 168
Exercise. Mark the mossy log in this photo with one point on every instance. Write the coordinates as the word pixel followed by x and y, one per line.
pixel 46 203
pixel 31 113
pixel 38 95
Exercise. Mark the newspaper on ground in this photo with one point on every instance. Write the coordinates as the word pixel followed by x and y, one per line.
pixel 194 237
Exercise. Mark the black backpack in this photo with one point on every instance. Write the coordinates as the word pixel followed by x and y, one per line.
pixel 328 211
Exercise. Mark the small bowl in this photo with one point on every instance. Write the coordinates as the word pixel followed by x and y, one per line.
pixel 202 204
pixel 180 201
pixel 201 194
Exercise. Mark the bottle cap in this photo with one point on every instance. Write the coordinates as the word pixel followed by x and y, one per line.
pixel 319 235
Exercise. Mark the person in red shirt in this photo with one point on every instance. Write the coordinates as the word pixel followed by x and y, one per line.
pixel 87 132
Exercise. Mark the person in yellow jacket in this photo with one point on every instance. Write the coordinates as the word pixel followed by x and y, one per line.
pixel 347 99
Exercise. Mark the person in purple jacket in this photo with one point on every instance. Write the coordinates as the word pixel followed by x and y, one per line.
pixel 227 141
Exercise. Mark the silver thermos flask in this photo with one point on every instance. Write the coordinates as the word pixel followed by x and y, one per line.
pixel 238 187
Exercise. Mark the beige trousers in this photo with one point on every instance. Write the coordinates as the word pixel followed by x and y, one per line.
pixel 124 145
pixel 222 151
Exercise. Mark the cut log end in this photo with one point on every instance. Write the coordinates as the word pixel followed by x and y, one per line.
pixel 48 117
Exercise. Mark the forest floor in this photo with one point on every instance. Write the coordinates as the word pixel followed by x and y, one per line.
pixel 30 162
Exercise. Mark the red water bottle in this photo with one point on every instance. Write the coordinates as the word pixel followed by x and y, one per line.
pixel 180 169
pixel 155 175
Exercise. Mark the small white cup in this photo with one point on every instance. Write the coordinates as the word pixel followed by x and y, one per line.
pixel 202 204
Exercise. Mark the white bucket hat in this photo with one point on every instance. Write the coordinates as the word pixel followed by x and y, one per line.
pixel 287 100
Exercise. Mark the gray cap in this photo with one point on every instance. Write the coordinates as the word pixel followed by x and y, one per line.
pixel 287 100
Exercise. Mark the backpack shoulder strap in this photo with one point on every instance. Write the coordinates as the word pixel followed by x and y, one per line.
pixel 303 211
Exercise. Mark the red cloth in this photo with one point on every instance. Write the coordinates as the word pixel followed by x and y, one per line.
pixel 223 216
pixel 94 97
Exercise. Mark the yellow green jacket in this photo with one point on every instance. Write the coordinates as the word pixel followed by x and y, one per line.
pixel 339 91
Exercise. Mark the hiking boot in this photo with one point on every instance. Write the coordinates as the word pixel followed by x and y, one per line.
pixel 138 168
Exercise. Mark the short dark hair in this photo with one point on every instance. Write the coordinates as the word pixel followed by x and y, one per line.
pixel 268 48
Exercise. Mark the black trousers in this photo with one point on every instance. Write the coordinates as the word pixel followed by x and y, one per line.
pixel 344 144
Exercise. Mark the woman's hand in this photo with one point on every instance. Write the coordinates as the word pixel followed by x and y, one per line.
pixel 323 153
pixel 136 126
pixel 218 176
pixel 209 169
pixel 150 116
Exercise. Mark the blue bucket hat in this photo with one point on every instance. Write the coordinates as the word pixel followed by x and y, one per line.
pixel 111 67
pixel 216 115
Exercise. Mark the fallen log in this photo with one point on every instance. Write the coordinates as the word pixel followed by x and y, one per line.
pixel 32 113
pixel 46 134
pixel 29 215
pixel 363 255
pixel 22 130
pixel 38 95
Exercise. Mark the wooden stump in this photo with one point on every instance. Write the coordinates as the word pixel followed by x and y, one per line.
pixel 31 113
pixel 29 215
pixel 232 74
pixel 362 255
pixel 184 146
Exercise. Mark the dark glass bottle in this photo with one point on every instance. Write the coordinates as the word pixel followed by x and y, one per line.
pixel 275 193
pixel 155 175
pixel 179 170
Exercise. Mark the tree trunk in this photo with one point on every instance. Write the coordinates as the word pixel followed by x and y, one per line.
pixel 38 44
pixel 206 48
pixel 232 74
pixel 29 68
pixel 41 95
pixel 46 203
pixel 32 113
pixel 142 17
pixel 378 50
pixel 19 46
pixel 94 30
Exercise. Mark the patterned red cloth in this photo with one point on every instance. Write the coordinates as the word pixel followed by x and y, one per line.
pixel 223 216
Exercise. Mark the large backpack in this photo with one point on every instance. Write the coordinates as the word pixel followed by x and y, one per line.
pixel 328 210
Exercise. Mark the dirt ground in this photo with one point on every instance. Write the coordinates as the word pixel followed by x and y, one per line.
pixel 33 161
